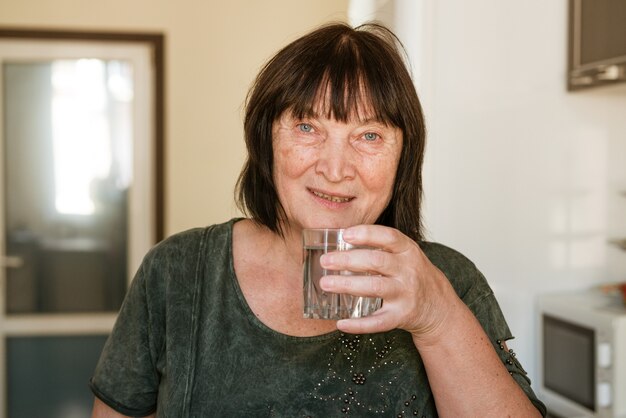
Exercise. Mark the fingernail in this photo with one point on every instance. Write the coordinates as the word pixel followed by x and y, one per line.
pixel 348 234
pixel 341 323
pixel 326 282
pixel 326 259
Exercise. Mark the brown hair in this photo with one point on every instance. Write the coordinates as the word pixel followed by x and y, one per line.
pixel 347 68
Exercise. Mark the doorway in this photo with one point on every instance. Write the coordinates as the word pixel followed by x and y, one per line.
pixel 81 201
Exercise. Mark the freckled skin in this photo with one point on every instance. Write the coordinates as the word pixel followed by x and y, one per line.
pixel 354 163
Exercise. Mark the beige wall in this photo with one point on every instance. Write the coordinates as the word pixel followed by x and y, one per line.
pixel 214 50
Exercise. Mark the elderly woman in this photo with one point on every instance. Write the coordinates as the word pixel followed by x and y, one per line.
pixel 213 322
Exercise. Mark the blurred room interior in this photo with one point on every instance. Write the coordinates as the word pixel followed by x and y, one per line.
pixel 121 124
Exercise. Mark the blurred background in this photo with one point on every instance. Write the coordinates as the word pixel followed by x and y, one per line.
pixel 522 175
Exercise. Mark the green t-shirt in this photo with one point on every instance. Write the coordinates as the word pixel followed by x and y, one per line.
pixel 186 344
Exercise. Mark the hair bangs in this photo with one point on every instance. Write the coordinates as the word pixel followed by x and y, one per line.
pixel 341 84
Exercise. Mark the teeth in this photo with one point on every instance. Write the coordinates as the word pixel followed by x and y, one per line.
pixel 332 198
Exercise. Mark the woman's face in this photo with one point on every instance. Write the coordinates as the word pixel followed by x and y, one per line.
pixel 333 174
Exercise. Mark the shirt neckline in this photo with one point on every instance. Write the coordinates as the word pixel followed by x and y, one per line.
pixel 245 307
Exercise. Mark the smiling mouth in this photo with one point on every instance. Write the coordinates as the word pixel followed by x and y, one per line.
pixel 335 199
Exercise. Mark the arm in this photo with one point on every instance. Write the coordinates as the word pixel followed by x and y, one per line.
pixel 466 374
pixel 102 410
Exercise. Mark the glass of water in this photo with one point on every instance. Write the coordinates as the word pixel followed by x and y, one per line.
pixel 319 304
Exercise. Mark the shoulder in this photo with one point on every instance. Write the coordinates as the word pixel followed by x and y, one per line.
pixel 182 244
pixel 465 277
pixel 178 256
pixel 447 259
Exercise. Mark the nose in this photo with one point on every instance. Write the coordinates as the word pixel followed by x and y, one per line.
pixel 336 160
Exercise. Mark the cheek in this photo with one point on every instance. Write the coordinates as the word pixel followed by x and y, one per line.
pixel 381 176
pixel 290 162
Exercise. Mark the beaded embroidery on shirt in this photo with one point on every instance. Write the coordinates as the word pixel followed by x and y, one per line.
pixel 359 396
pixel 510 358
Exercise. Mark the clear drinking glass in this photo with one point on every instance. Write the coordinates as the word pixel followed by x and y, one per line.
pixel 319 304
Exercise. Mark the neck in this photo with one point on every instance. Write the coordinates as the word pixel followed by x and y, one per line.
pixel 287 248
pixel 291 242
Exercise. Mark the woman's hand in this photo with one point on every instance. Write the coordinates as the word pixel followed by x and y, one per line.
pixel 416 294
pixel 464 372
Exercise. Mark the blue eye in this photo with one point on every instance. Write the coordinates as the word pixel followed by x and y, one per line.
pixel 370 136
pixel 305 127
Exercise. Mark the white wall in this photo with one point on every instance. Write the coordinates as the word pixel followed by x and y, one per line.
pixel 521 176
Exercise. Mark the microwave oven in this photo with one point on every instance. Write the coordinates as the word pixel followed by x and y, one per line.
pixel 582 355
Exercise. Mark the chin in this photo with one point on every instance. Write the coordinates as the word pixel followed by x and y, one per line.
pixel 331 223
pixel 327 221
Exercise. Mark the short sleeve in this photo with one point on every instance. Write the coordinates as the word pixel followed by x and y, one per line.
pixel 126 376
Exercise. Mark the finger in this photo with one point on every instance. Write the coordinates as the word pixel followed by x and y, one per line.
pixel 379 321
pixel 379 236
pixel 371 286
pixel 358 260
